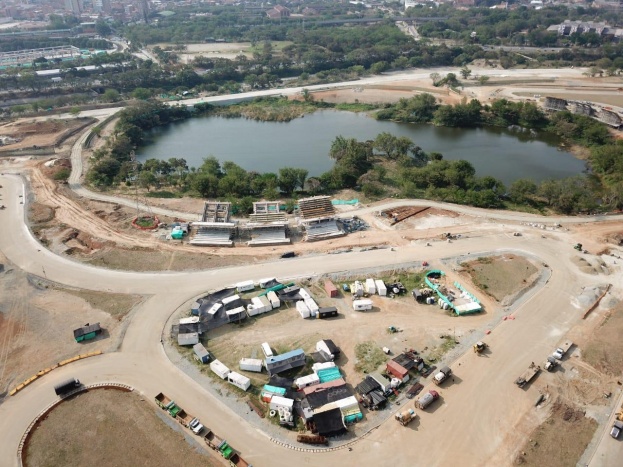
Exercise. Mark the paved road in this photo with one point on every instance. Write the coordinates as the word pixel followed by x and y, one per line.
pixel 483 413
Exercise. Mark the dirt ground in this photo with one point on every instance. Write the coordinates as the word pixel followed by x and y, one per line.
pixel 111 427
pixel 384 94
pixel 605 350
pixel 560 440
pixel 37 319
pixel 501 276
pixel 612 97
pixel 40 133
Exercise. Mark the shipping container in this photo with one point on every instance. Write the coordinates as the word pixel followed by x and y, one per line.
pixel 370 286
pixel 316 367
pixel 305 381
pixel 214 309
pixel 264 282
pixel 251 364
pixel 219 369
pixel 312 305
pixel 233 298
pixel 273 299
pixel 330 288
pixel 327 312
pixel 267 350
pixel 303 310
pixel 381 289
pixel 236 314
pixel 239 380
pixel 266 304
pixel 277 402
pixel 304 293
pixel 245 286
pixel 362 305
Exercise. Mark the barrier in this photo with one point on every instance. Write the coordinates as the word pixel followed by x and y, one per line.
pixel 41 373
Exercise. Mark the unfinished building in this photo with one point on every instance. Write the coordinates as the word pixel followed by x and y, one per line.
pixel 317 217
pixel 267 225
pixel 609 118
pixel 215 228
pixel 581 108
pixel 553 103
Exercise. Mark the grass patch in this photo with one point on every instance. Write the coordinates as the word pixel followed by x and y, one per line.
pixel 356 107
pixel 447 344
pixel 116 305
pixel 162 194
pixel 369 357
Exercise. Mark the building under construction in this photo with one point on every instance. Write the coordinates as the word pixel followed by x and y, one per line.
pixel 317 218
pixel 267 225
pixel 215 228
pixel 27 56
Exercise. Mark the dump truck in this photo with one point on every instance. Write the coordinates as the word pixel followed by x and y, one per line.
pixel 550 364
pixel 312 439
pixel 66 386
pixel 236 461
pixel 167 404
pixel 427 399
pixel 528 375
pixel 189 421
pixel 480 347
pixel 562 349
pixel 406 417
pixel 443 374
pixel 218 444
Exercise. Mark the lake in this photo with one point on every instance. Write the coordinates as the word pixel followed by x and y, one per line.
pixel 305 143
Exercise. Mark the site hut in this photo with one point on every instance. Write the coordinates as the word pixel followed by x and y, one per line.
pixel 219 369
pixel 258 306
pixel 236 314
pixel 303 309
pixel 397 371
pixel 304 293
pixel 330 423
pixel 245 286
pixel 278 402
pixel 268 352
pixel 370 286
pixel 362 305
pixel 316 367
pixel 190 338
pixel 313 307
pixel 305 381
pixel 194 308
pixel 214 309
pixel 268 392
pixel 201 354
pixel 381 289
pixel 382 380
pixel 273 299
pixel 251 364
pixel 328 348
pixel 266 282
pixel 285 362
pixel 238 380
pixel 330 288
pixel 87 332
pixel 326 312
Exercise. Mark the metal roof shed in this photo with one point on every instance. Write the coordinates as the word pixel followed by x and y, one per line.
pixel 191 338
pixel 201 354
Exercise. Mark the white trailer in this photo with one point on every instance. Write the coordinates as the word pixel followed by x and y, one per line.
pixel 239 380
pixel 303 310
pixel 189 320
pixel 266 304
pixel 370 286
pixel 273 299
pixel 304 293
pixel 381 289
pixel 362 305
pixel 312 305
pixel 316 367
pixel 233 298
pixel 321 346
pixel 277 402
pixel 251 364
pixel 357 289
pixel 265 281
pixel 245 286
pixel 219 369
pixel 305 381
pixel 236 313
pixel 214 309
pixel 267 350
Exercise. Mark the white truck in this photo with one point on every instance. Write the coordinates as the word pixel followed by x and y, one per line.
pixel 442 375
pixel 562 349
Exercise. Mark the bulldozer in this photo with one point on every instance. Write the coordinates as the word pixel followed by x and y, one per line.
pixel 479 347
pixel 406 417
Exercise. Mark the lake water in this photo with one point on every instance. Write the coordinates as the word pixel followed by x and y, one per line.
pixel 305 143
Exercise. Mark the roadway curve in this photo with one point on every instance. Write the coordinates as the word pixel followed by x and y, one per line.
pixel 484 408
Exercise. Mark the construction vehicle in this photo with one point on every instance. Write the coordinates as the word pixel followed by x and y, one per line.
pixel 236 461
pixel 312 439
pixel 189 421
pixel 528 375
pixel 427 399
pixel 550 364
pixel 167 404
pixel 406 417
pixel 562 349
pixel 218 444
pixel 442 375
pixel 619 414
pixel 66 386
pixel 480 347
pixel 578 246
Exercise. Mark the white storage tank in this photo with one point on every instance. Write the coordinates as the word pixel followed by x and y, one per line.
pixel 273 299
pixel 370 286
pixel 362 305
pixel 219 369
pixel 305 381
pixel 301 307
pixel 245 286
pixel 381 289
pixel 239 380
pixel 251 364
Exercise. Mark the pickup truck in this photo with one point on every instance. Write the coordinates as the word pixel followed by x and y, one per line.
pixel 189 421
pixel 561 350
pixel 616 429
pixel 442 375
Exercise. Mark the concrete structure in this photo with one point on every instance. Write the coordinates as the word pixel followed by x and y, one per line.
pixel 317 217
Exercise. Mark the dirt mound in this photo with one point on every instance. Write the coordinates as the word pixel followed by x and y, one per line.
pixel 593 266
pixel 40 213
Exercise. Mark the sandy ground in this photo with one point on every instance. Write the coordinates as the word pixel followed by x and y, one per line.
pixel 39 133
pixel 37 319
pixel 120 429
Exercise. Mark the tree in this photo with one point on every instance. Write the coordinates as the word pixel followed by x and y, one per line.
pixel 205 184
pixel 465 72
pixel 111 95
pixel 289 179
pixel 102 28
pixel 482 79
pixel 147 179
pixel 435 77
pixel 141 93
pixel 522 190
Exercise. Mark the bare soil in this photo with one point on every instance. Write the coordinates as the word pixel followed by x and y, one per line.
pixel 501 276
pixel 604 350
pixel 560 440
pixel 111 427
pixel 37 319
pixel 40 132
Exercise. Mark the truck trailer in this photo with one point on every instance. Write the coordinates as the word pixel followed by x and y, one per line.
pixel 218 444
pixel 528 375
pixel 189 421
pixel 427 399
